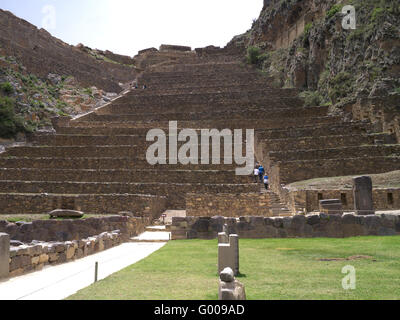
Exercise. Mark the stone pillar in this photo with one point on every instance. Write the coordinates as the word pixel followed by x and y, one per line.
pixel 229 287
pixel 4 255
pixel 362 191
pixel 234 243
pixel 223 238
pixel 228 254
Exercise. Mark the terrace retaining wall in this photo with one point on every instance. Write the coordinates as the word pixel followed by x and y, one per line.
pixel 311 226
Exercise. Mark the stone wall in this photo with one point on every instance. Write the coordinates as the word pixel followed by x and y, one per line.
pixel 232 205
pixel 168 47
pixel 310 226
pixel 69 230
pixel 28 258
pixel 384 199
pixel 382 111
pixel 113 203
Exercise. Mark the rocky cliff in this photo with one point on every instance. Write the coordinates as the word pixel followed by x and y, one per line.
pixel 42 77
pixel 301 43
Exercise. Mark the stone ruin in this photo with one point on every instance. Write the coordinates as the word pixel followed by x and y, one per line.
pixel 229 287
pixel 362 190
pixel 97 163
pixel 4 255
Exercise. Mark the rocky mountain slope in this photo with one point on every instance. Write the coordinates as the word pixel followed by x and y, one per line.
pixel 301 43
pixel 42 77
pixel 42 54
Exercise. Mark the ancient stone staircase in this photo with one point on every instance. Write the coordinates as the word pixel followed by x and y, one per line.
pixel 97 162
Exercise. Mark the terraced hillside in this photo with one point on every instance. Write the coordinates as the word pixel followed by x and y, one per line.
pixel 97 163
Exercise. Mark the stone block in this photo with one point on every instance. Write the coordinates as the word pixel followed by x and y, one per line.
pixel 20 262
pixel 4 255
pixel 362 192
pixel 229 287
pixel 332 206
pixel 35 260
pixel 202 225
pixel 43 258
pixel 313 219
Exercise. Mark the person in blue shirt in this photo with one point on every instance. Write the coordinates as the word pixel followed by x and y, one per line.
pixel 261 173
pixel 266 182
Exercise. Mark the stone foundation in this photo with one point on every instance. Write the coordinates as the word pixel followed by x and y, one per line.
pixel 310 226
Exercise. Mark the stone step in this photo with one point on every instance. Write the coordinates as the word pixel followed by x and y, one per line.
pixel 175 192
pixel 350 152
pixel 203 98
pixel 211 124
pixel 73 151
pixel 129 176
pixel 313 143
pixel 292 171
pixel 193 77
pixel 156 229
pixel 344 128
pixel 221 106
pixel 40 203
pixel 101 164
pixel 148 237
pixel 213 115
pixel 256 87
pixel 214 85
pixel 87 140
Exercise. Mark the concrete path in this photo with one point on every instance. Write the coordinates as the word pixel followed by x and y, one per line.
pixel 153 236
pixel 60 282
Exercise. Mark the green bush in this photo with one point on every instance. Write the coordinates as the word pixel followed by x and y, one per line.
pixel 10 124
pixel 254 56
pixel 307 28
pixel 376 14
pixel 340 86
pixel 335 9
pixel 312 98
pixel 7 88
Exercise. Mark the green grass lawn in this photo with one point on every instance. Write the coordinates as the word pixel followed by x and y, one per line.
pixel 271 269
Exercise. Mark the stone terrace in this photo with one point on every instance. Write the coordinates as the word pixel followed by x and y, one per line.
pixel 97 163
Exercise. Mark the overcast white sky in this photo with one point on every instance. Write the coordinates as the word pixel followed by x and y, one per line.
pixel 126 26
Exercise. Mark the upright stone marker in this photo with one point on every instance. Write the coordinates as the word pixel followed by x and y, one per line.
pixel 228 254
pixel 223 238
pixel 4 255
pixel 362 191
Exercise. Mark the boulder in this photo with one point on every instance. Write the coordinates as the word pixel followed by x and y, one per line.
pixel 62 213
pixel 227 275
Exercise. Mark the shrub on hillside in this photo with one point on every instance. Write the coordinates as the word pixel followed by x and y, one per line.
pixel 254 56
pixel 10 123
pixel 335 9
pixel 6 88
pixel 312 98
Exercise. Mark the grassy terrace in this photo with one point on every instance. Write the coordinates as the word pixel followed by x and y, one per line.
pixel 271 269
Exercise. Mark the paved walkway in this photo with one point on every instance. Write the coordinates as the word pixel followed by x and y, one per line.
pixel 59 282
